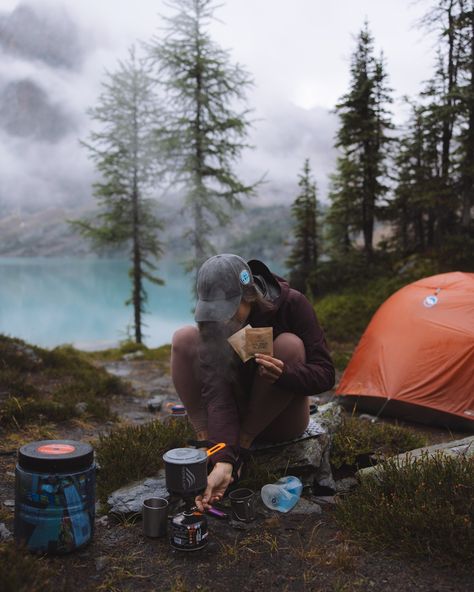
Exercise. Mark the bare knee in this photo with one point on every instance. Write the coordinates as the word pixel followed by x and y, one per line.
pixel 185 339
pixel 288 347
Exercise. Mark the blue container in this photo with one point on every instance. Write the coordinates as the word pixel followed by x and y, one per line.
pixel 55 496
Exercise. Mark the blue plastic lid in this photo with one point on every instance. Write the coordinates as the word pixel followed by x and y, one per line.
pixel 178 410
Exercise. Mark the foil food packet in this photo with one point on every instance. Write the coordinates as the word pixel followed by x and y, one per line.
pixel 249 341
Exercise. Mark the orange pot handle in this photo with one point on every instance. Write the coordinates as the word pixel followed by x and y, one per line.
pixel 216 448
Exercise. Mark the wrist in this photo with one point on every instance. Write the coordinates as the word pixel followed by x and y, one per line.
pixel 227 467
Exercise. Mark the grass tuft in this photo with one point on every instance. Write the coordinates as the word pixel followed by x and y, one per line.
pixel 130 453
pixel 38 384
pixel 158 354
pixel 357 438
pixel 423 508
pixel 22 572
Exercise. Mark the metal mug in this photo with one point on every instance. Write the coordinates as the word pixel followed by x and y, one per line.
pixel 155 516
pixel 242 502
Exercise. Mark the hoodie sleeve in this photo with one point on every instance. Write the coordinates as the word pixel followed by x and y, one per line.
pixel 316 374
pixel 222 413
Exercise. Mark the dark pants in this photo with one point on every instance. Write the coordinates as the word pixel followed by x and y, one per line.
pixel 266 412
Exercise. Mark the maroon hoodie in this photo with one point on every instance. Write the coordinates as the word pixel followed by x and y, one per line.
pixel 291 313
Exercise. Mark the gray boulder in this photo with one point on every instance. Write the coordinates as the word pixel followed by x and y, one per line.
pixel 129 499
pixel 306 457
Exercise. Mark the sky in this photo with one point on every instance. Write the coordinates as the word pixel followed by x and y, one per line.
pixel 297 52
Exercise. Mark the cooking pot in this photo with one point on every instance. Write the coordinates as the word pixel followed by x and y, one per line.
pixel 186 470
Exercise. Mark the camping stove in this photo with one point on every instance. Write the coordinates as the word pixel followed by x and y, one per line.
pixel 188 530
pixel 186 477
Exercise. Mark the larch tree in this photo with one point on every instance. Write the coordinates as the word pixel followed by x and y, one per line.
pixel 124 149
pixel 360 182
pixel 303 258
pixel 205 131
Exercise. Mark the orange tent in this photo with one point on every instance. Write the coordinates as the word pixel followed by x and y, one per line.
pixel 416 357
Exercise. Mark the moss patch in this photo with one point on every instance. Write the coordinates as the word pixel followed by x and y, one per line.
pixel 357 438
pixel 37 385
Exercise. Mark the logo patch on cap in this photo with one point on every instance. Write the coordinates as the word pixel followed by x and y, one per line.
pixel 244 277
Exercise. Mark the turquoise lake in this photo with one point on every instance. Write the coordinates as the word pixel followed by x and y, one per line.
pixel 49 302
pixel 52 301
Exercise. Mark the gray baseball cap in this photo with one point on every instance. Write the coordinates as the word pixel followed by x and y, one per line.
pixel 220 283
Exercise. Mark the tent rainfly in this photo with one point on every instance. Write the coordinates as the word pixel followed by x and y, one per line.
pixel 416 358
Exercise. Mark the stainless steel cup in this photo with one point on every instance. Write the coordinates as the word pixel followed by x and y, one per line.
pixel 155 516
pixel 242 502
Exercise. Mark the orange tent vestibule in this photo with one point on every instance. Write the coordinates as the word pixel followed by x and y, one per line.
pixel 416 357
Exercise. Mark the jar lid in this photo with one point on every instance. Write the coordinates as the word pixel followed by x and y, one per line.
pixel 49 456
pixel 184 456
pixel 178 410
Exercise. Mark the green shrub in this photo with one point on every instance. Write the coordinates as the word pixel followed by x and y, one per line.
pixel 22 572
pixel 357 437
pixel 344 316
pixel 423 508
pixel 130 453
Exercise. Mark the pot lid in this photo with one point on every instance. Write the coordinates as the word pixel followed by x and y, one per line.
pixel 184 456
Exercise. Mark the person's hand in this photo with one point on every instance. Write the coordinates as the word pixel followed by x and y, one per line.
pixel 269 368
pixel 217 482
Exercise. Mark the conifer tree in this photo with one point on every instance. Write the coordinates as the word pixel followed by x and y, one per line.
pixel 418 166
pixel 360 182
pixel 448 98
pixel 205 131
pixel 303 258
pixel 123 148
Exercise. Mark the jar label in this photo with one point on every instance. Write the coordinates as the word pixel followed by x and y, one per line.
pixel 56 449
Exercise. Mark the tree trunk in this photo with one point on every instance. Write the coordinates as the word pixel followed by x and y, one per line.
pixel 137 258
pixel 468 180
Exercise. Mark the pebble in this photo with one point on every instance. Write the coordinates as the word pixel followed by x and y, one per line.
pixel 5 534
pixel 102 521
pixel 101 562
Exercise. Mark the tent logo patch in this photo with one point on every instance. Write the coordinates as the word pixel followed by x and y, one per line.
pixel 430 301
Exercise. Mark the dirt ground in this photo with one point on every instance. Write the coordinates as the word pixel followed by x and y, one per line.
pixel 287 552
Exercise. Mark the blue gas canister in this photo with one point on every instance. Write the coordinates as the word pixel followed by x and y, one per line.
pixel 54 496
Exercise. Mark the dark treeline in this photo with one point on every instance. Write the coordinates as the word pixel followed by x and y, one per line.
pixel 417 181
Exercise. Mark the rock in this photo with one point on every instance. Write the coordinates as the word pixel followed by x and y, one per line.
pixel 102 521
pixel 101 562
pixel 5 534
pixel 306 506
pixel 367 417
pixel 306 457
pixel 464 447
pixel 323 499
pixel 118 369
pixel 133 355
pixel 129 499
pixel 156 403
pixel 9 503
pixel 345 485
pixel 80 407
pixel 330 416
